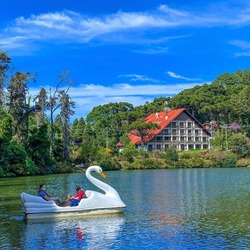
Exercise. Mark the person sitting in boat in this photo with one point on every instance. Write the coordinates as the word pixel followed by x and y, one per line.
pixel 42 193
pixel 74 200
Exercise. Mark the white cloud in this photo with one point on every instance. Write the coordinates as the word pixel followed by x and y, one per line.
pixel 136 77
pixel 153 51
pixel 172 74
pixel 88 96
pixel 243 45
pixel 69 26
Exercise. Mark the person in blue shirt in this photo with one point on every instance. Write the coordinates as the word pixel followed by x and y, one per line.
pixel 42 193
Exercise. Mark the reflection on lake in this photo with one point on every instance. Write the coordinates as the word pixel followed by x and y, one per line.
pixel 166 209
pixel 95 232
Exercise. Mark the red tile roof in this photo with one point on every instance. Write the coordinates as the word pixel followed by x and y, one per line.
pixel 162 119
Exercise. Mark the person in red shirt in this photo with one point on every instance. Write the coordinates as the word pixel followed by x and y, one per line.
pixel 74 200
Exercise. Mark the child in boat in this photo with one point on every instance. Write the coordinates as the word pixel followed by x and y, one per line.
pixel 75 199
pixel 42 193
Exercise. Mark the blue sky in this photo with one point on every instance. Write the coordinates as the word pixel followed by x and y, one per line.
pixel 130 51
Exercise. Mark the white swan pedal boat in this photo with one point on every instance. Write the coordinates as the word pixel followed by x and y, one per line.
pixel 95 203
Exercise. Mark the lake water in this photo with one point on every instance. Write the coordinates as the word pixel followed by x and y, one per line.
pixel 166 209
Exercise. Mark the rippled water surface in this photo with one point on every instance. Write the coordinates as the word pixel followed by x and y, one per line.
pixel 166 209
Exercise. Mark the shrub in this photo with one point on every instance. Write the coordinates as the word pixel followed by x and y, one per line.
pixel 229 161
pixel 244 162
pixel 158 154
pixel 1 172
pixel 191 163
pixel 149 163
pixel 183 163
pixel 63 167
pixel 125 165
pixel 129 153
pixel 171 155
pixel 20 163
pixel 110 164
pixel 144 154
pixel 222 159
pixel 207 163
pixel 137 164
pixel 30 166
pixel 191 159
pixel 240 144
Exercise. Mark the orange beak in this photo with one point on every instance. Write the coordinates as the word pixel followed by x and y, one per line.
pixel 102 174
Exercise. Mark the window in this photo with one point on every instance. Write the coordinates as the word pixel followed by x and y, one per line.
pixel 158 138
pixel 190 124
pixel 174 131
pixel 197 146
pixel 182 124
pixel 197 131
pixel 150 147
pixel 166 132
pixel 205 139
pixel 158 146
pixel 182 131
pixel 167 138
pixel 175 138
pixel 174 125
pixel 205 146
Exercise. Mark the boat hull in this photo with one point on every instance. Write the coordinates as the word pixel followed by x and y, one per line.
pixel 80 213
pixel 35 207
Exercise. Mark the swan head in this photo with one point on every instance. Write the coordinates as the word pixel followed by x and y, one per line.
pixel 98 170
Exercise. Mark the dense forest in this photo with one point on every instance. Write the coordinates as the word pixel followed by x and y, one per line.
pixel 37 137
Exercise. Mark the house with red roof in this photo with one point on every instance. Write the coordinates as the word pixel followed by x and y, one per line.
pixel 176 128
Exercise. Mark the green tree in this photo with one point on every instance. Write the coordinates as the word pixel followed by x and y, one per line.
pixel 239 144
pixel 58 152
pixel 18 104
pixel 38 150
pixel 171 155
pixel 108 122
pixel 89 145
pixel 19 162
pixel 5 60
pixel 5 138
pixel 73 134
pixel 218 140
pixel 104 158
pixel 78 130
pixel 54 103
pixel 67 111
pixel 41 101
pixel 142 130
pixel 240 103
pixel 5 125
pixel 129 153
